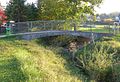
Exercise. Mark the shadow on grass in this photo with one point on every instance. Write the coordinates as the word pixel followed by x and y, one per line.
pixel 10 70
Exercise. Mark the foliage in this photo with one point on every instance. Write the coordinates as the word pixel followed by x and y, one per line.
pixel 18 11
pixel 96 62
pixel 32 12
pixel 0 22
pixel 101 60
pixel 66 9
pixel 2 15
pixel 111 16
pixel 15 10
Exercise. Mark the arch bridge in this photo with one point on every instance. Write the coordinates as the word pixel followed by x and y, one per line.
pixel 36 29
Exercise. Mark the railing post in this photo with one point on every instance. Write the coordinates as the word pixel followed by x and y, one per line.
pixel 44 25
pixel 118 29
pixel 109 28
pixel 51 25
pixel 92 37
pixel 114 29
pixel 30 26
pixel 74 27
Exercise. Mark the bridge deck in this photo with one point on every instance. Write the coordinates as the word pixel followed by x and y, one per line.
pixel 32 35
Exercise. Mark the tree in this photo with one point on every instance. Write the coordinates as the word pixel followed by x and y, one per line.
pixel 50 10
pixel 66 9
pixel 2 15
pixel 31 12
pixel 16 11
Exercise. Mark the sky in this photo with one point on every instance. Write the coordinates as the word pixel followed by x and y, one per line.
pixel 107 6
pixel 3 2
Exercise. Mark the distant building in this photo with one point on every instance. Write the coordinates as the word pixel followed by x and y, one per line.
pixel 3 17
pixel 116 19
pixel 98 19
pixel 108 21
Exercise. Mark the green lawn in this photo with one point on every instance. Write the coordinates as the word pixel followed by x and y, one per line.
pixel 97 29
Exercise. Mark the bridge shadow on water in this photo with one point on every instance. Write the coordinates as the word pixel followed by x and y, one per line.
pixel 10 70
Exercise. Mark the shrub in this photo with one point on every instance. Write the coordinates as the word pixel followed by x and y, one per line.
pixel 97 62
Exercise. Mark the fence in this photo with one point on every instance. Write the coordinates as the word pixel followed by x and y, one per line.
pixel 113 29
pixel 36 26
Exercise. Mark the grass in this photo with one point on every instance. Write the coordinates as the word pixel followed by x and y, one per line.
pixel 101 60
pixel 44 60
pixel 10 70
pixel 97 29
pixel 28 61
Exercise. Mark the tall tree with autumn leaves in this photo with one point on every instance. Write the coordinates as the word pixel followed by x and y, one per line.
pixel 3 17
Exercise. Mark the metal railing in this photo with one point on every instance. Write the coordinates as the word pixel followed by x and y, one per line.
pixel 36 26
